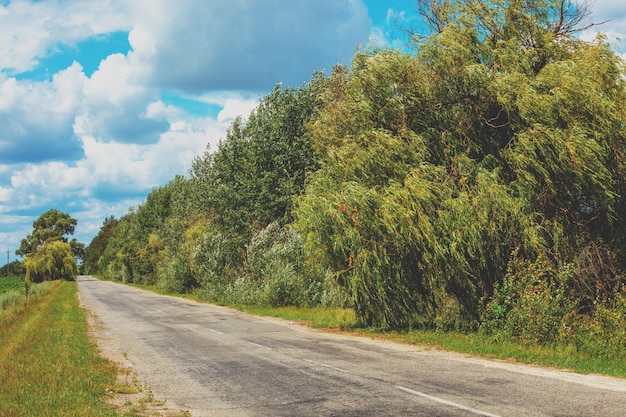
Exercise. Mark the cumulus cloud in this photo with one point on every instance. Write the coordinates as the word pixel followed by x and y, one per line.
pixel 116 105
pixel 244 45
pixel 37 117
pixel 32 30
pixel 94 143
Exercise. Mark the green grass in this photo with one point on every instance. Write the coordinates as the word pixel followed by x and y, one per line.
pixel 48 364
pixel 557 356
pixel 13 283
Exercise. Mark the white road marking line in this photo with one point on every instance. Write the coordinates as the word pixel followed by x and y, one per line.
pixel 214 331
pixel 446 402
pixel 326 366
pixel 261 346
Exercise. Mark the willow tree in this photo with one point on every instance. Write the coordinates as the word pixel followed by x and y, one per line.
pixel 501 138
pixel 48 253
pixel 54 260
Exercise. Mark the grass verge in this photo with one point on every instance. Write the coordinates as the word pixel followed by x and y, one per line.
pixel 48 365
pixel 12 283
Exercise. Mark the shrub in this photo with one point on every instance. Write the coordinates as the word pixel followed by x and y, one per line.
pixel 531 302
pixel 275 260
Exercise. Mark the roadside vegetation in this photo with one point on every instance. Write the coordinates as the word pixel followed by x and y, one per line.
pixel 473 188
pixel 14 294
pixel 11 283
pixel 49 366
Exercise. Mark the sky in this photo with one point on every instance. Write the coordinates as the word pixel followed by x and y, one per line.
pixel 101 101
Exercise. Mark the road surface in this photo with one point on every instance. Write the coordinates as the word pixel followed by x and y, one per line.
pixel 214 361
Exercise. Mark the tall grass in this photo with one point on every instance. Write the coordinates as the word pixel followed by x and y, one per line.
pixel 48 364
pixel 14 297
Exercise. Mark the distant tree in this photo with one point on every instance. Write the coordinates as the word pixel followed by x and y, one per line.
pixel 96 248
pixel 46 249
pixel 51 226
pixel 54 260
pixel 13 268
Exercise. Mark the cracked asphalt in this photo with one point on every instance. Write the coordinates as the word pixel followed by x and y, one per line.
pixel 214 361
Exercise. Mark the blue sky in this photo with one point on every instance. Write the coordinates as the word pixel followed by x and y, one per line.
pixel 102 100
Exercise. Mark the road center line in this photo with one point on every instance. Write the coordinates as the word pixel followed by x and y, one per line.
pixel 326 366
pixel 261 346
pixel 214 331
pixel 446 402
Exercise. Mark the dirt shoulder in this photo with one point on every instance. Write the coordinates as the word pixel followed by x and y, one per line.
pixel 131 396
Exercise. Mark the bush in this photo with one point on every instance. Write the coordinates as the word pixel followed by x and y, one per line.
pixel 275 260
pixel 601 335
pixel 531 302
pixel 214 261
pixel 174 275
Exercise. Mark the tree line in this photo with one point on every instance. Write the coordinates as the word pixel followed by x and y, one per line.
pixel 475 183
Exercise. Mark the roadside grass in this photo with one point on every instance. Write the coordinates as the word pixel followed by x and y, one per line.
pixel 13 298
pixel 50 367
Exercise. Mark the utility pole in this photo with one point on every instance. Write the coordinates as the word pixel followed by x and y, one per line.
pixel 8 262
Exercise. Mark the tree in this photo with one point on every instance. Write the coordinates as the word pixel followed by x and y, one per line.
pixel 48 254
pixel 51 226
pixel 96 248
pixel 499 142
pixel 54 260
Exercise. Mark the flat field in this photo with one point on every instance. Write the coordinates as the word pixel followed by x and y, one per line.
pixel 11 284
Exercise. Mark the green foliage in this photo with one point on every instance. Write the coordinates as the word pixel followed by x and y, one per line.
pixel 601 335
pixel 54 260
pixel 192 233
pixel 96 248
pixel 51 226
pixel 14 268
pixel 502 134
pixel 274 260
pixel 531 302
pixel 475 183
pixel 48 254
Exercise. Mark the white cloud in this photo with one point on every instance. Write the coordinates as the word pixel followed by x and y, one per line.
pixel 5 194
pixel 159 110
pixel 611 18
pixel 182 44
pixel 37 117
pixel 234 107
pixel 116 104
pixel 32 30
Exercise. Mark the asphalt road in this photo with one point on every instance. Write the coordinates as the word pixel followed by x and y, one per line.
pixel 214 361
